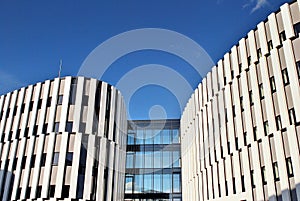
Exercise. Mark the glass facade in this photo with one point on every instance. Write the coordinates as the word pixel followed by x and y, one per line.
pixel 153 169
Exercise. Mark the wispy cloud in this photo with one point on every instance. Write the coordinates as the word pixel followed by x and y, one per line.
pixel 258 4
pixel 9 82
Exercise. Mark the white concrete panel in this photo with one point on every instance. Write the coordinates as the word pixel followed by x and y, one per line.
pixel 53 105
pixel 48 164
pixel 78 104
pixel 274 29
pixel 37 166
pixel 262 38
pixel 243 53
pixel 65 105
pixel 280 88
pixel 102 109
pixel 252 46
pixel 287 20
pixel 284 183
pixel 293 75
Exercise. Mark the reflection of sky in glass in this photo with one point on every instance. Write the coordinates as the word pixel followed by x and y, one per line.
pixel 156 160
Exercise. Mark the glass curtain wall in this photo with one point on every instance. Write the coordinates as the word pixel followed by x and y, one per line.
pixel 153 161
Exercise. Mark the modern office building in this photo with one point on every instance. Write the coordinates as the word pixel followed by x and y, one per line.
pixel 238 137
pixel 240 131
pixel 153 161
pixel 63 139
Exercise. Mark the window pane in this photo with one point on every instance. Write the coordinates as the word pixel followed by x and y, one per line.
pixel 175 136
pixel 140 137
pixel 148 159
pixel 167 159
pixel 157 183
pixel 128 184
pixel 130 139
pixel 176 183
pixel 148 137
pixel 176 157
pixel 157 159
pixel 138 183
pixel 167 183
pixel 157 137
pixel 129 160
pixel 55 158
pixel 139 162
pixel 148 187
pixel 166 137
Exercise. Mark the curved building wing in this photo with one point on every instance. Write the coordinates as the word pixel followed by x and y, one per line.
pixel 240 131
pixel 63 139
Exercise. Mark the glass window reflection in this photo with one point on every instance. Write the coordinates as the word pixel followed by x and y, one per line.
pixel 167 183
pixel 157 188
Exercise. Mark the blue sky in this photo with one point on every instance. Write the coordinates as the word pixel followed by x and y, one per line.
pixel 35 35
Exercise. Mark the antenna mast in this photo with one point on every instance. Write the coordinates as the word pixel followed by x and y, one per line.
pixel 60 67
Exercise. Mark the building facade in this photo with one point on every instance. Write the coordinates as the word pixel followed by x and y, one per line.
pixel 240 131
pixel 153 161
pixel 63 139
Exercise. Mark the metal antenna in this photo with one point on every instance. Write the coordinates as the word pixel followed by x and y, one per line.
pixel 60 67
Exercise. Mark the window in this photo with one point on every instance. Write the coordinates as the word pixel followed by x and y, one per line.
pixel 32 161
pixel 38 191
pixel 23 162
pixel 45 126
pixel 232 74
pixel 226 117
pixel 251 97
pixel 233 111
pixel 55 158
pixel 263 175
pixel 243 183
pixel 242 104
pixel 240 68
pixel 285 77
pixel 176 183
pixel 49 101
pixel 224 80
pixel 60 100
pixel 297 29
pixel 249 60
pixel 51 190
pixel 69 158
pixel 252 179
pixel 270 46
pixel 30 105
pixel 261 91
pixel 43 159
pixel 255 133
pixel 65 191
pixel 278 122
pixel 272 84
pixel 39 104
pixel 275 171
pixel 266 127
pixel 69 126
pixel 259 53
pixel 282 37
pixel 298 69
pixel 292 116
pixel 72 96
pixel 56 127
pixel 289 167
pixel 245 138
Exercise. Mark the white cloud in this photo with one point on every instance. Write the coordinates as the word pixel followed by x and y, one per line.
pixel 9 82
pixel 259 4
